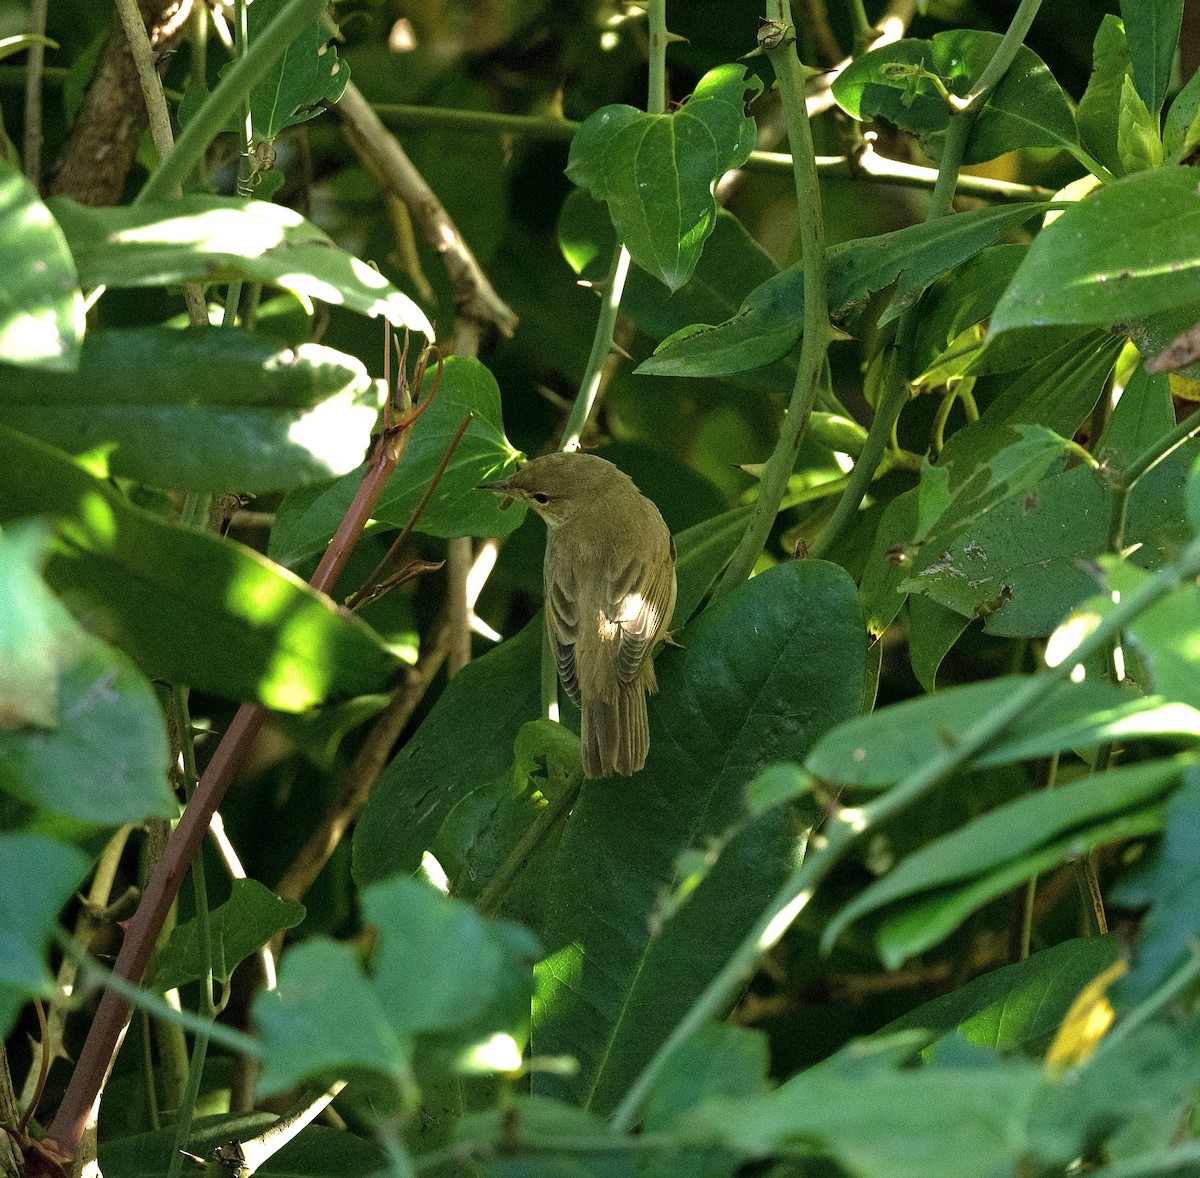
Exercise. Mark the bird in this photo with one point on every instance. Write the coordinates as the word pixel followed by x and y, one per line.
pixel 609 580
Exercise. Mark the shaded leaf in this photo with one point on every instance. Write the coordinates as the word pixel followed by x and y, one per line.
pixel 88 741
pixel 1027 109
pixel 1017 1007
pixel 883 747
pixel 770 321
pixel 1169 883
pixel 27 914
pixel 251 916
pixel 307 73
pixel 209 410
pixel 1100 107
pixel 1009 832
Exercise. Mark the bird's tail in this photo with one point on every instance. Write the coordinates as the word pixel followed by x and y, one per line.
pixel 615 733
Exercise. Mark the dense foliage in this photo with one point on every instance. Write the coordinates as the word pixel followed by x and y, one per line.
pixel 903 342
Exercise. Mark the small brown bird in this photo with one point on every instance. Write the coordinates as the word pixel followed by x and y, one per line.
pixel 609 580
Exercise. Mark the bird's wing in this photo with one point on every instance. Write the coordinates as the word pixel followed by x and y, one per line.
pixel 641 597
pixel 562 625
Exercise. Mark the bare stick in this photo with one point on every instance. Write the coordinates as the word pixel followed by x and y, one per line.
pixel 474 295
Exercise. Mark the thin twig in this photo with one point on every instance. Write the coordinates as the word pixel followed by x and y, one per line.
pixel 35 64
pixel 474 295
pixel 160 124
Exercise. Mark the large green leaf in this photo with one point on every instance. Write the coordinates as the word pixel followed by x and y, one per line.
pixel 1099 112
pixel 201 238
pixel 188 606
pixel 919 922
pixel 656 172
pixel 209 410
pixel 1152 27
pixel 1027 109
pixel 41 307
pixel 873 1118
pixel 1089 266
pixel 763 673
pixel 308 518
pixel 770 321
pixel 1010 832
pixel 37 877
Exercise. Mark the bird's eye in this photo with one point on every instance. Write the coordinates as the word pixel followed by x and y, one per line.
pixel 541 498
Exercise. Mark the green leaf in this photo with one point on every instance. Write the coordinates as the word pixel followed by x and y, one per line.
pixel 81 733
pixel 28 913
pixel 962 299
pixel 1152 27
pixel 919 923
pixel 1010 471
pixel 762 674
pixel 253 630
pixel 41 306
pixel 932 631
pixel 441 967
pixel 442 975
pixel 770 321
pixel 1169 883
pixel 1005 834
pixel 251 916
pixel 307 74
pixel 1027 109
pixel 308 518
pixel 656 172
pixel 715 1061
pixel 1167 634
pixel 1018 1007
pixel 1138 144
pixel 876 1119
pixel 1100 107
pixel 879 749
pixel 204 238
pixel 1181 118
pixel 1142 416
pixel 1027 562
pixel 207 410
pixel 1087 267
pixel 466 742
pixel 38 639
pixel 302 1034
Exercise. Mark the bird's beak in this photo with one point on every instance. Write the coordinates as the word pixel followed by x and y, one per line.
pixel 500 487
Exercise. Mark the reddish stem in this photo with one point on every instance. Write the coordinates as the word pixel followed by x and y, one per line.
pixel 112 1015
